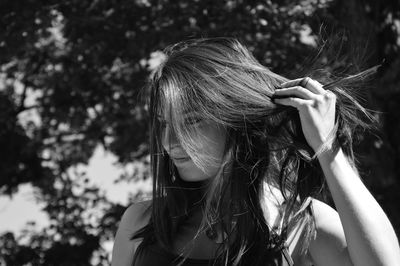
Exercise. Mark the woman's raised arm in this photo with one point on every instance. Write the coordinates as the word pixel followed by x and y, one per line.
pixel 370 237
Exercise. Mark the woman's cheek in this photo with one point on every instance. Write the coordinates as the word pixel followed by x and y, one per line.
pixel 216 144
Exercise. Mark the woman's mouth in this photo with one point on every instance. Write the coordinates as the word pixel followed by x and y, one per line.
pixel 181 159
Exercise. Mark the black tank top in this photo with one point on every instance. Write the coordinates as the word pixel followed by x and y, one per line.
pixel 155 255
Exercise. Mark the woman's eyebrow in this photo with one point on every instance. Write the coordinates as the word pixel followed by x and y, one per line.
pixel 190 113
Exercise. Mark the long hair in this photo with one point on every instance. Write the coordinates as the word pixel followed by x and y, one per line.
pixel 219 80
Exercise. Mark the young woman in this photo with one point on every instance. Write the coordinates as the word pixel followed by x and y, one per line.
pixel 239 157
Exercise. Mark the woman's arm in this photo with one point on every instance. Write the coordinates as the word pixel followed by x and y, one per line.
pixel 369 236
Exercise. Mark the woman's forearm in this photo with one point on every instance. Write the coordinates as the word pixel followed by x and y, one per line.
pixel 369 234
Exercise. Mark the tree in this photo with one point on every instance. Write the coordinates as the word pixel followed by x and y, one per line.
pixel 86 63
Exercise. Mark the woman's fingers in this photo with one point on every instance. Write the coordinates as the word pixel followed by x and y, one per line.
pixel 307 83
pixel 295 102
pixel 300 93
pixel 316 108
pixel 294 91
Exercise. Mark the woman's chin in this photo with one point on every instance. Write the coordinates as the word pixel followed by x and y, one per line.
pixel 194 179
pixel 192 175
pixel 189 172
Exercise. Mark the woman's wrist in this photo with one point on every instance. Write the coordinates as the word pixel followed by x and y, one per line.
pixel 327 148
pixel 329 154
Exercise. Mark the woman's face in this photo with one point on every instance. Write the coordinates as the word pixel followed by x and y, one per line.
pixel 210 138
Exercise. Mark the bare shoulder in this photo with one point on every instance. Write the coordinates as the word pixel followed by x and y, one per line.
pixel 327 222
pixel 329 245
pixel 323 214
pixel 134 218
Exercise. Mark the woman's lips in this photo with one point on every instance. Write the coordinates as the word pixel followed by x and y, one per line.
pixel 178 155
pixel 181 159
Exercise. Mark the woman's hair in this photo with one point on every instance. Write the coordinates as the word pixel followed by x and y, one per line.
pixel 219 80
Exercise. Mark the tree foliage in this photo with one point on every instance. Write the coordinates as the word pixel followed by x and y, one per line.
pixel 85 63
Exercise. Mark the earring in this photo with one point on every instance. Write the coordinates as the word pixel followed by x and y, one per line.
pixel 211 233
pixel 172 171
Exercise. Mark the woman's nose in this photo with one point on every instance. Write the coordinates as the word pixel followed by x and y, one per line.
pixel 168 137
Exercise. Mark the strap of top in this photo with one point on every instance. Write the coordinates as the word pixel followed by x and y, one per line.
pixel 305 206
pixel 288 258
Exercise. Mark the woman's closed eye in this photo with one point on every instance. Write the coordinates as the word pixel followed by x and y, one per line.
pixel 191 121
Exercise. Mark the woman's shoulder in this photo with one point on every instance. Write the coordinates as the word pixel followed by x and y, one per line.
pixel 328 228
pixel 322 212
pixel 135 217
pixel 329 242
pixel 325 220
pixel 273 202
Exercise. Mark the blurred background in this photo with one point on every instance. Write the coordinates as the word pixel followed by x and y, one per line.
pixel 73 127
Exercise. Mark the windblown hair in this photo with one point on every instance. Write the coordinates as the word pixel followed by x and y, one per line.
pixel 219 80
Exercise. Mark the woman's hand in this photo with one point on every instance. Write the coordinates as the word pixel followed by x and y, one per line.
pixel 316 108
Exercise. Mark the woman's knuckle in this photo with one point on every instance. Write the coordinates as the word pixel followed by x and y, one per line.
pixel 330 95
pixel 319 99
pixel 318 83
pixel 306 107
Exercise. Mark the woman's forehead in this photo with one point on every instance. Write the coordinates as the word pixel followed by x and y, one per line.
pixel 174 101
